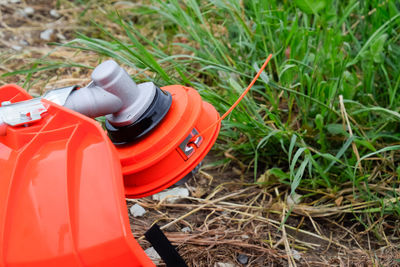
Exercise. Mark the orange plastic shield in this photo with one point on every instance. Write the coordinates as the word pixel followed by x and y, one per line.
pixel 61 194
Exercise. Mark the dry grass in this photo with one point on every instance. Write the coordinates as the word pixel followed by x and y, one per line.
pixel 229 217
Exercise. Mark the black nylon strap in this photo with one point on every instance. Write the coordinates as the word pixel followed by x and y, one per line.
pixel 164 248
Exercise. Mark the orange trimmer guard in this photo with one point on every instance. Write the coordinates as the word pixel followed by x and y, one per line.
pixel 61 193
pixel 168 153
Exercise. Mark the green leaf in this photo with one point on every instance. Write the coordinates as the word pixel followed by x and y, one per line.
pixel 311 7
pixel 380 109
pixel 292 143
pixel 235 85
pixel 335 129
pixel 377 47
pixel 295 158
pixel 398 172
pixel 371 40
pixel 319 121
pixel 365 143
pixel 341 152
pixel 299 175
pixel 277 172
pixel 265 139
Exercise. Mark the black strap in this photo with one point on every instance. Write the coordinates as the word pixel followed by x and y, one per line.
pixel 164 248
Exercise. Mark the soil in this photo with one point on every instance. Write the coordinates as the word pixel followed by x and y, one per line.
pixel 233 215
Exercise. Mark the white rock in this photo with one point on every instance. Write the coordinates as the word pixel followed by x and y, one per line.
pixel 46 35
pixel 173 194
pixel 186 229
pixel 54 13
pixel 153 255
pixel 223 264
pixel 16 47
pixel 15 1
pixel 28 11
pixel 137 210
pixel 296 254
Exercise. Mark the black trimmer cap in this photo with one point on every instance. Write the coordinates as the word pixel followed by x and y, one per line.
pixel 149 120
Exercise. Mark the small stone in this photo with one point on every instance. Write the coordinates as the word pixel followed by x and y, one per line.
pixel 171 195
pixel 15 1
pixel 153 255
pixel 223 264
pixel 16 47
pixel 23 42
pixel 54 13
pixel 243 259
pixel 245 237
pixel 296 255
pixel 28 11
pixel 46 35
pixel 186 229
pixel 137 210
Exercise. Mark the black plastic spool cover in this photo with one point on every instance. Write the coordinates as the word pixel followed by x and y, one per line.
pixel 151 118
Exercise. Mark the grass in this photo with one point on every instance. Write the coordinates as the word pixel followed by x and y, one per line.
pixel 323 119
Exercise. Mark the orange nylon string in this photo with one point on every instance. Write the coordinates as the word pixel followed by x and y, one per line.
pixel 239 99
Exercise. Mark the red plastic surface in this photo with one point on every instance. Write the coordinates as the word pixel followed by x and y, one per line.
pixel 61 194
pixel 155 162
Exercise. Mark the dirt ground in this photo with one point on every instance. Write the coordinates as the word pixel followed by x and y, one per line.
pixel 227 219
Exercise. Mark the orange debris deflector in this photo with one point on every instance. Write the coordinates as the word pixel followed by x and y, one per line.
pixel 61 193
pixel 173 148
